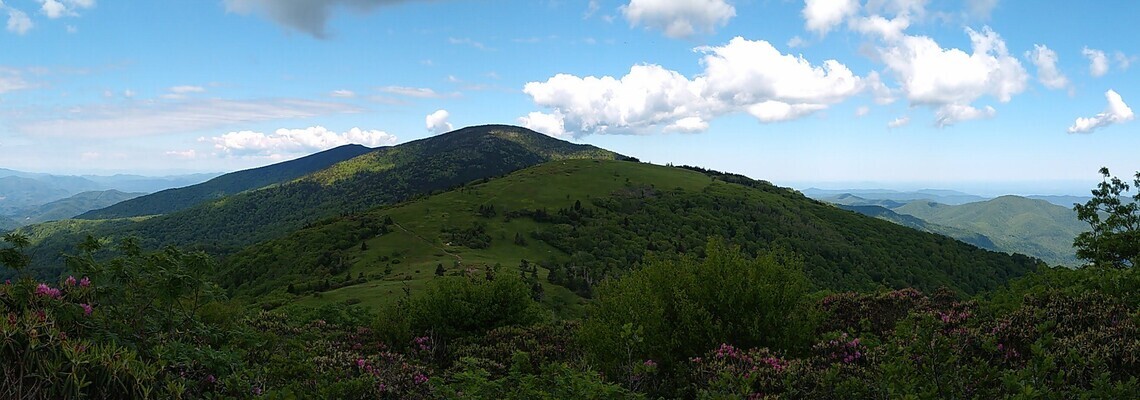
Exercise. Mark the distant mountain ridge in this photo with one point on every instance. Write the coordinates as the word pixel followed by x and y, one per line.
pixel 940 195
pixel 950 197
pixel 911 221
pixel 382 176
pixel 72 206
pixel 1036 225
pixel 176 199
pixel 1014 223
pixel 22 192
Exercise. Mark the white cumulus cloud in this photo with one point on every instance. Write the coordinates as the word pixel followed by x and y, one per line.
pixel 679 18
pixel 820 16
pixel 741 76
pixel 64 8
pixel 950 80
pixel 550 124
pixel 1117 112
pixel 295 141
pixel 1046 61
pixel 18 22
pixel 1098 61
pixel 437 122
pixel 688 125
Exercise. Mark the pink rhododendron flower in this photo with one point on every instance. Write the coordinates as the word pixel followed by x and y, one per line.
pixel 44 290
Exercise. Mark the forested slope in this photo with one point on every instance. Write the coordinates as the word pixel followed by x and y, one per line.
pixel 584 220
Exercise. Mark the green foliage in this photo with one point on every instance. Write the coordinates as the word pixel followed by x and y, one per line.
pixel 842 250
pixel 1053 346
pixel 553 381
pixel 474 237
pixel 1115 236
pixel 12 256
pixel 456 306
pixel 671 310
pixel 146 294
pixel 47 352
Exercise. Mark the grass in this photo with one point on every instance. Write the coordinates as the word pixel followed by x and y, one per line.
pixel 417 245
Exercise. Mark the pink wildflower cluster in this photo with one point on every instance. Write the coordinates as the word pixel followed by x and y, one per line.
pixel 907 293
pixel 70 281
pixel 845 350
pixel 776 363
pixel 953 317
pixel 423 343
pixel 649 363
pixel 47 291
pixel 727 351
pixel 386 372
pixel 754 358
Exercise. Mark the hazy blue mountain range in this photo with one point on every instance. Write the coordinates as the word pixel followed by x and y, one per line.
pixel 21 193
pixel 941 196
pixel 148 184
pixel 71 206
pixel 1039 226
pixel 176 199
pixel 911 221
pixel 1014 223
pixel 892 198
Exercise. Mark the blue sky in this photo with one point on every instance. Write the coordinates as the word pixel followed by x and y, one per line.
pixel 988 96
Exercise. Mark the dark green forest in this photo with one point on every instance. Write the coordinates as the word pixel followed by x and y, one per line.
pixel 573 276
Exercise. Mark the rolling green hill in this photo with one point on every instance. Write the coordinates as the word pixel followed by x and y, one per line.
pixel 74 205
pixel 585 220
pixel 1013 223
pixel 172 200
pixel 913 222
pixel 384 176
